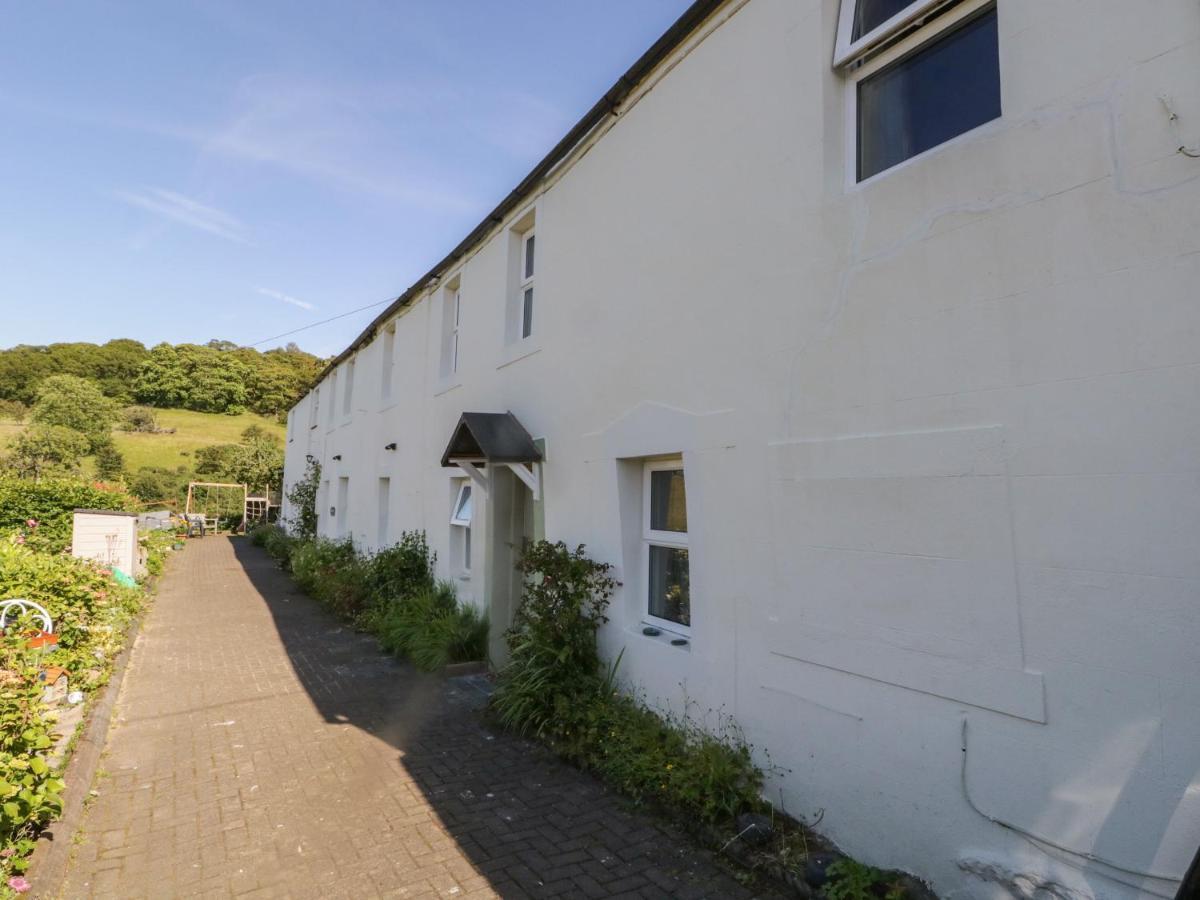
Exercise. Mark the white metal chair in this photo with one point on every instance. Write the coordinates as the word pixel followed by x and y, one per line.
pixel 21 606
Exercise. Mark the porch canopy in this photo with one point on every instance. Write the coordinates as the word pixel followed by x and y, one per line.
pixel 490 437
pixel 494 438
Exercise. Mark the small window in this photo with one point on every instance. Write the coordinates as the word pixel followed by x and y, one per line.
pixel 933 94
pixel 314 412
pixel 668 591
pixel 385 504
pixel 348 390
pixel 462 507
pixel 332 404
pixel 460 522
pixel 528 243
pixel 456 317
pixel 389 362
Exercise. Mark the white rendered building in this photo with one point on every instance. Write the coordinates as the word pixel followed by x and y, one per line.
pixel 863 337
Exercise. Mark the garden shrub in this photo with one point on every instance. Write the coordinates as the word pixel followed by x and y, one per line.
pixel 331 572
pixel 555 687
pixel 431 627
pixel 303 497
pixel 402 570
pixel 552 642
pixel 90 612
pixel 30 793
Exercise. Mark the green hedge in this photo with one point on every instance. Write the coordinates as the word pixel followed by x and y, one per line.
pixel 51 504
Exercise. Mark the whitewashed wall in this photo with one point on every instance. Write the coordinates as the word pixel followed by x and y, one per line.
pixel 940 432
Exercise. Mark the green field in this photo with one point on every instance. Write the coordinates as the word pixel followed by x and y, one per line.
pixel 193 430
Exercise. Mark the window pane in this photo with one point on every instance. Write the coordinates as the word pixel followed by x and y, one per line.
pixel 529 255
pixel 670 596
pixel 668 501
pixel 950 86
pixel 462 512
pixel 467 549
pixel 870 14
pixel 527 314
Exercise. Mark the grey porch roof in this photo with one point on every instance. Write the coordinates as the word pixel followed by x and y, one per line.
pixel 495 437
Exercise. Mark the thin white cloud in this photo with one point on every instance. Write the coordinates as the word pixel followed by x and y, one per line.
pixel 185 211
pixel 286 298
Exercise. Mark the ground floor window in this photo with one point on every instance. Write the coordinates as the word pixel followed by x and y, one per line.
pixel 460 525
pixel 665 536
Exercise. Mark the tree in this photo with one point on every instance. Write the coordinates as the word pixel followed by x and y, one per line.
pixel 161 380
pixel 257 462
pixel 13 410
pixel 110 464
pixel 43 451
pixel 72 402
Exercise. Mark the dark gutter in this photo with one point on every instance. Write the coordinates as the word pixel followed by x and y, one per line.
pixel 679 32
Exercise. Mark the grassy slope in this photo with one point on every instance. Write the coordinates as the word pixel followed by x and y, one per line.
pixel 170 451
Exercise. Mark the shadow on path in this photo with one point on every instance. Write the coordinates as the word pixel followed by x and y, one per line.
pixel 529 824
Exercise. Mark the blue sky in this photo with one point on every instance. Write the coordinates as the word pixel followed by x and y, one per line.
pixel 182 171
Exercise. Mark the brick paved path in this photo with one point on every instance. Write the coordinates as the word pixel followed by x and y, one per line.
pixel 261 749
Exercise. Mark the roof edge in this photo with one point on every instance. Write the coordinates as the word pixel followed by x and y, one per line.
pixel 681 29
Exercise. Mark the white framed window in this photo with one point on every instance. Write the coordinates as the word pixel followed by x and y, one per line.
pixel 460 524
pixel 665 546
pixel 920 74
pixel 388 364
pixel 455 324
pixel 314 412
pixel 384 511
pixel 525 285
pixel 348 390
pixel 342 513
pixel 332 404
pixel 452 320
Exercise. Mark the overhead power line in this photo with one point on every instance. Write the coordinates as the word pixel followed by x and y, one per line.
pixel 322 322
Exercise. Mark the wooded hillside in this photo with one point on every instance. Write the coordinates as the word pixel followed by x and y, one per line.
pixel 215 377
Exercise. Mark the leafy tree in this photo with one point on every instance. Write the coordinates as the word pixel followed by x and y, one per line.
pixel 257 463
pixel 72 402
pixel 161 380
pixel 110 464
pixel 138 418
pixel 13 410
pixel 43 451
pixel 154 483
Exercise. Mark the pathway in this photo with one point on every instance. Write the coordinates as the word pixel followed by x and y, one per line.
pixel 262 749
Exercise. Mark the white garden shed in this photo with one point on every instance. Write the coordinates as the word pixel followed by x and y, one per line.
pixel 108 537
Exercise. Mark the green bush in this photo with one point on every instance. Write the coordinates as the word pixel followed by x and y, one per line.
pixel 432 628
pixel 402 570
pixel 331 572
pixel 90 614
pixel 554 687
pixel 30 793
pixel 303 497
pixel 552 642
pixel 52 504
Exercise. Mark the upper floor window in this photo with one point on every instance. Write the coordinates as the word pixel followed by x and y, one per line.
pixel 942 83
pixel 388 364
pixel 452 301
pixel 314 411
pixel 522 272
pixel 665 536
pixel 528 240
pixel 348 390
pixel 332 404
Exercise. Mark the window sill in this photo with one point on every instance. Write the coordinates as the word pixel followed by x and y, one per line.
pixel 664 637
pixel 446 385
pixel 518 350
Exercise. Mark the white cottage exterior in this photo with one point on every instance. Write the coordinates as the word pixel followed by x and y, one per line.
pixel 924 362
